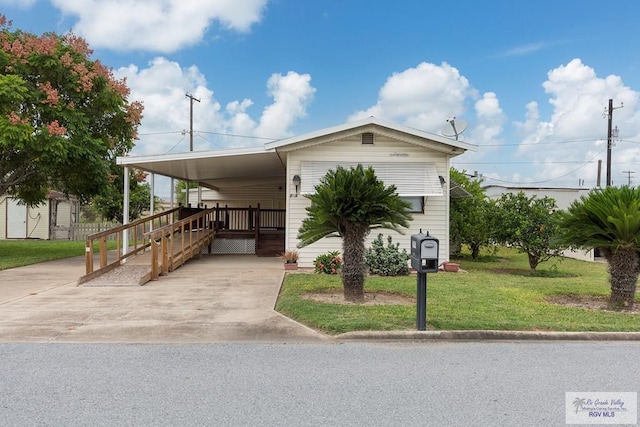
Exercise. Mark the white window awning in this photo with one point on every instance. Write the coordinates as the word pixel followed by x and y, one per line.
pixel 410 178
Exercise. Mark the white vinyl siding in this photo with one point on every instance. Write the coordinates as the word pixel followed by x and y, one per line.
pixel 385 151
pixel 38 221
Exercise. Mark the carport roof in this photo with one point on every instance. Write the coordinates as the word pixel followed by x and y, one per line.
pixel 219 168
pixel 213 168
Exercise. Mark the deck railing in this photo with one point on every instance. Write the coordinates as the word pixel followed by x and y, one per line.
pixel 130 239
pixel 248 219
pixel 173 236
pixel 174 244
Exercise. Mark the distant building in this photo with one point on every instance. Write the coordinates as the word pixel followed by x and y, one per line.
pixel 50 220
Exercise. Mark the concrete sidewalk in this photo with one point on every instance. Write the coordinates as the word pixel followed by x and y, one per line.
pixel 218 298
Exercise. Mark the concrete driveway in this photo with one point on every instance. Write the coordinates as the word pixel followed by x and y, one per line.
pixel 218 298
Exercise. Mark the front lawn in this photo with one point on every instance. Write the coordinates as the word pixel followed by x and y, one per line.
pixel 497 293
pixel 17 253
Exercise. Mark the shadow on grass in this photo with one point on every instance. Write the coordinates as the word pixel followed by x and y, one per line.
pixel 528 273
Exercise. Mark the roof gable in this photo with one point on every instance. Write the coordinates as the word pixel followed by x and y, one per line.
pixel 377 127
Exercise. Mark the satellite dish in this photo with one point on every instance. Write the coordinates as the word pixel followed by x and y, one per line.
pixel 454 128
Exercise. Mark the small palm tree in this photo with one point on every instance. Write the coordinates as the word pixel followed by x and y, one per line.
pixel 609 219
pixel 349 203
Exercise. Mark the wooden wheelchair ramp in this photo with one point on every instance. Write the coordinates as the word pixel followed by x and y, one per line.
pixel 157 252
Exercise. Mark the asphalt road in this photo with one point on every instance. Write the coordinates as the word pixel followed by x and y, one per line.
pixel 349 384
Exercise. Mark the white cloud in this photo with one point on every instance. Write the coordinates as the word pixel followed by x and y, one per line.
pixel 157 25
pixel 490 119
pixel 292 94
pixel 162 87
pixel 422 97
pixel 576 128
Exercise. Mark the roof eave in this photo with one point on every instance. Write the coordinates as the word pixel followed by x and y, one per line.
pixel 283 144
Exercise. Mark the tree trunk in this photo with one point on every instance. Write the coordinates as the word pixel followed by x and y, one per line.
pixel 354 267
pixel 475 251
pixel 624 267
pixel 533 262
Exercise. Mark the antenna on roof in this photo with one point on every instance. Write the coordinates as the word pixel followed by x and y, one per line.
pixel 454 128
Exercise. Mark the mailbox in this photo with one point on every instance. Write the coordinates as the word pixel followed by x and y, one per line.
pixel 424 253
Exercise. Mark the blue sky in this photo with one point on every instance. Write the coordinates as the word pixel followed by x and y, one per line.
pixel 531 79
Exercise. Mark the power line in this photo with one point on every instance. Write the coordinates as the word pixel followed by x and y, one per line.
pixel 160 133
pixel 239 136
pixel 547 180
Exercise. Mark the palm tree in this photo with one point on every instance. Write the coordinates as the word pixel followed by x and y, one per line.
pixel 609 219
pixel 349 203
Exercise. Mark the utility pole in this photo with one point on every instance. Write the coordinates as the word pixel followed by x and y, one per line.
pixel 629 173
pixel 191 99
pixel 609 113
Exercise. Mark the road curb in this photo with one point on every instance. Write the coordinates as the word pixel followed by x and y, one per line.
pixel 488 335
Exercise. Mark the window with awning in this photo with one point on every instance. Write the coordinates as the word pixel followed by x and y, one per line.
pixel 412 179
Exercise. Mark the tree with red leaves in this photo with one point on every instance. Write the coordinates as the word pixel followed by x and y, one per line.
pixel 64 117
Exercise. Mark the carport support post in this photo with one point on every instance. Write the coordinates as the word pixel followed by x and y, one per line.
pixel 152 207
pixel 125 212
pixel 421 306
pixel 172 197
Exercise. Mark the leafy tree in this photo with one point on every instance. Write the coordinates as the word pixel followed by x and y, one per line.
pixel 64 118
pixel 609 219
pixel 469 217
pixel 528 224
pixel 180 190
pixel 349 203
pixel 110 203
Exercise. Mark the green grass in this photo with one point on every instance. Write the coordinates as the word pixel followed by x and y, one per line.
pixel 497 293
pixel 18 253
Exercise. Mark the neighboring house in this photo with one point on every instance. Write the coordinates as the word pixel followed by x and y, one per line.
pixel 563 197
pixel 277 175
pixel 50 220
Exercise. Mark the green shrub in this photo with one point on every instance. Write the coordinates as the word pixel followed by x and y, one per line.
pixel 386 260
pixel 329 263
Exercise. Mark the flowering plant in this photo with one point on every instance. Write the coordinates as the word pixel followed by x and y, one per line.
pixel 329 263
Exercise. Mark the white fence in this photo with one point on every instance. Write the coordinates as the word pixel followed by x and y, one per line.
pixel 81 231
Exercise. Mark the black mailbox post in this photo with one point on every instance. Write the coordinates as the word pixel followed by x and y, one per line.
pixel 424 259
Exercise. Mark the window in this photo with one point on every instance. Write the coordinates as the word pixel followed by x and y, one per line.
pixel 417 204
pixel 412 179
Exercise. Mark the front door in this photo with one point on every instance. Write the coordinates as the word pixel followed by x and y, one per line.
pixel 16 220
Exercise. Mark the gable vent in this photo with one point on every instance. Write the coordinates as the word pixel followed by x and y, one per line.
pixel 367 138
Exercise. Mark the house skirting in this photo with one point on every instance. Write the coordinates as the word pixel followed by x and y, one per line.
pixel 223 246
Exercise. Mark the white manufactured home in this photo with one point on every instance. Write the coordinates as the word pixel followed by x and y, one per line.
pixel 264 187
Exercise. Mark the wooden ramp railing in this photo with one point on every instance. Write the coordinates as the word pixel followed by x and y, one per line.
pixel 132 236
pixel 174 244
pixel 174 236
